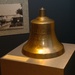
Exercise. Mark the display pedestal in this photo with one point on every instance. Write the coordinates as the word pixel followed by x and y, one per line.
pixel 15 63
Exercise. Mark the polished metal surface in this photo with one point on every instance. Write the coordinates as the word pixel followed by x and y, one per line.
pixel 42 42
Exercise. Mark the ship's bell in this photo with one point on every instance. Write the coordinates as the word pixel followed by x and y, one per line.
pixel 42 42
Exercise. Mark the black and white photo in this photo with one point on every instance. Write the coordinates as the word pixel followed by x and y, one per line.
pixel 14 17
pixel 11 16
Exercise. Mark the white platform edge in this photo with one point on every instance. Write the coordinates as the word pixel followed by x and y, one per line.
pixel 58 62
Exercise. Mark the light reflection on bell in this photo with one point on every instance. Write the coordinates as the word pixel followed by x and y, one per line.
pixel 42 42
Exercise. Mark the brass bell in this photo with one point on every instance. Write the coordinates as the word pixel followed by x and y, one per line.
pixel 42 42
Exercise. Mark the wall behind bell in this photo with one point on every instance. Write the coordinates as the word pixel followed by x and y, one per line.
pixel 62 11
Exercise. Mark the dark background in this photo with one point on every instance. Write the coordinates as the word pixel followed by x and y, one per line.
pixel 62 11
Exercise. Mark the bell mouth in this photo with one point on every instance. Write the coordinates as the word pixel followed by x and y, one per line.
pixel 43 56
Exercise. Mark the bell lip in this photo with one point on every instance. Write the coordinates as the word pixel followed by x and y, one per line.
pixel 43 56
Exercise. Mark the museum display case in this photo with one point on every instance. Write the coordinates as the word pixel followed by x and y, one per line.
pixel 59 60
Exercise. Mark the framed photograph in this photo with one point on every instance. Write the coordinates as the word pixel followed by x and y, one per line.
pixel 14 17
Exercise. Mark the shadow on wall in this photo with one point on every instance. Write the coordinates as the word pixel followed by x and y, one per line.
pixel 7 43
pixel 70 67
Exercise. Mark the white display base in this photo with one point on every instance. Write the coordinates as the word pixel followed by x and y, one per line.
pixel 15 63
